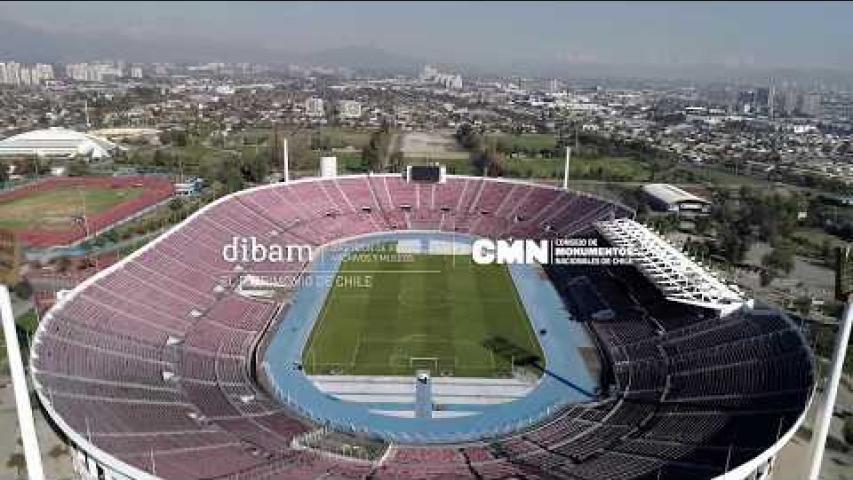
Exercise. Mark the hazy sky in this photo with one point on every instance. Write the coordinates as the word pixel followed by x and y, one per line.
pixel 795 34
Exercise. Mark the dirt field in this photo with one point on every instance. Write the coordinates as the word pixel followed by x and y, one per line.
pixel 431 146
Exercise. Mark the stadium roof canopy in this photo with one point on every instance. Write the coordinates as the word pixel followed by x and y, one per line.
pixel 677 276
pixel 56 142
pixel 671 195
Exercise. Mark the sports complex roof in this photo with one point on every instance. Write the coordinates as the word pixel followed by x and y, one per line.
pixel 56 142
pixel 679 278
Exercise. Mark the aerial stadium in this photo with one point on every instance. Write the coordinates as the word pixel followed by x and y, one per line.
pixel 387 353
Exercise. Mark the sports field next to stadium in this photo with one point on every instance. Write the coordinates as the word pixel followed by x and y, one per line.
pixel 56 209
pixel 441 313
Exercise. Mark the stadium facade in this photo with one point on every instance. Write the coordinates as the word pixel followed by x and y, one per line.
pixel 150 367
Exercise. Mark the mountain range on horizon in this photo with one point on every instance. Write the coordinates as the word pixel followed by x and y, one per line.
pixel 23 43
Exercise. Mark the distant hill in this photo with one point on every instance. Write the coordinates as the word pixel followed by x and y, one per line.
pixel 363 59
pixel 27 44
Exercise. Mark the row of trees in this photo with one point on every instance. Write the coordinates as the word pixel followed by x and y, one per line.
pixel 380 153
pixel 234 172
pixel 484 153
pixel 752 215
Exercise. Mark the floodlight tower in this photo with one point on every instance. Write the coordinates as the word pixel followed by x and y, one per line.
pixel 285 162
pixel 844 292
pixel 29 440
pixel 566 173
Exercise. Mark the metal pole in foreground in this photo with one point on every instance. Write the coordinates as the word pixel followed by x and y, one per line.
pixel 566 173
pixel 22 394
pixel 825 416
pixel 286 161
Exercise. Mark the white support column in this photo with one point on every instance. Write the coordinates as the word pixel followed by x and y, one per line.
pixel 286 162
pixel 566 173
pixel 22 393
pixel 824 417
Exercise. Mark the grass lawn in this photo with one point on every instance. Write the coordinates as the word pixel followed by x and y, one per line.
pixel 527 141
pixel 432 312
pixel 345 137
pixel 54 209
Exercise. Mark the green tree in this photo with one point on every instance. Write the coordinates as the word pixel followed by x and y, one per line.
pixel 779 260
pixel 375 155
pixel 255 168
pixel 78 168
pixel 227 176
pixel 18 462
pixel 23 289
pixel 176 204
pixel 803 305
pixel 733 245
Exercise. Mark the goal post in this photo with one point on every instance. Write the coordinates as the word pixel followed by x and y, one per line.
pixel 420 362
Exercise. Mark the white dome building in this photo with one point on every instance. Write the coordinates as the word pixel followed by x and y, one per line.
pixel 57 142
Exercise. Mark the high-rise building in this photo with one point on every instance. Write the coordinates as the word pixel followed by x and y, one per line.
pixel 95 72
pixel 771 100
pixel 349 109
pixel 314 107
pixel 446 80
pixel 787 101
pixel 429 73
pixel 13 73
pixel 809 104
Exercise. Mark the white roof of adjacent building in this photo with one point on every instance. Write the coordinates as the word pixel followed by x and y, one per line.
pixel 56 142
pixel 677 276
pixel 671 194
pixel 124 132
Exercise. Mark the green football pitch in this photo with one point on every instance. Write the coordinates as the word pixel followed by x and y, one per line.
pixel 439 313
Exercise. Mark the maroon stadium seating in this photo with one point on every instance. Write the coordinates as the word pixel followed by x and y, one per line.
pixel 162 345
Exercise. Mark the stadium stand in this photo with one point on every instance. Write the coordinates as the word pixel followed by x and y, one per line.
pixel 147 366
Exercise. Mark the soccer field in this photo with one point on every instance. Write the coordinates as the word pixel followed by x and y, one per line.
pixel 435 312
pixel 55 209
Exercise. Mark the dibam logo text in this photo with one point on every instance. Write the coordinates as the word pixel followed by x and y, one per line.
pixel 248 249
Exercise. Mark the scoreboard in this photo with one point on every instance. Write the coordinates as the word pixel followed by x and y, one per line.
pixel 425 173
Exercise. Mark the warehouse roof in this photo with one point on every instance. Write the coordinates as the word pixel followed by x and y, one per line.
pixel 671 194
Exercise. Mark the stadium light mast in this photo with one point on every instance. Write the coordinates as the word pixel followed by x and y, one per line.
pixel 285 161
pixel 566 173
pixel 843 291
pixel 22 394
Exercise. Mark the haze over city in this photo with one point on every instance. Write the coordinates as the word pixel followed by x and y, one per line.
pixel 622 38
